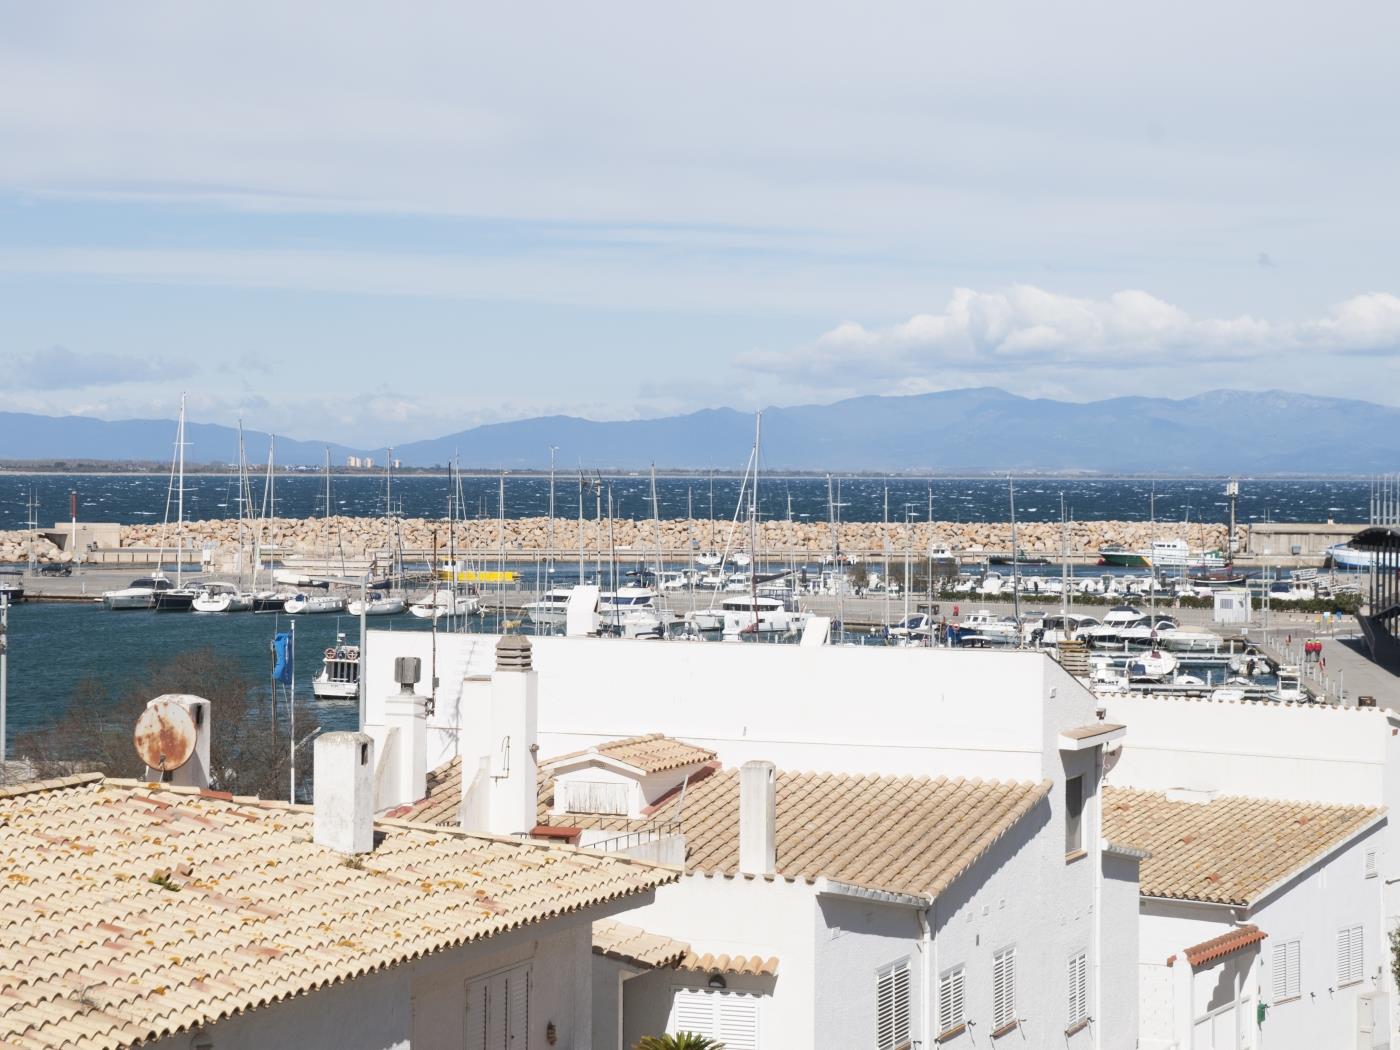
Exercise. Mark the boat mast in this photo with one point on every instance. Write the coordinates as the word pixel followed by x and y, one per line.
pixel 549 558
pixel 753 523
pixel 1064 570
pixel 580 526
pixel 1015 560
pixel 180 504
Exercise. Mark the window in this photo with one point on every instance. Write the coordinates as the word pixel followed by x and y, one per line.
pixel 595 796
pixel 892 1007
pixel 727 1017
pixel 1003 989
pixel 1286 959
pixel 951 998
pixel 1074 814
pixel 1078 989
pixel 498 1011
pixel 1349 955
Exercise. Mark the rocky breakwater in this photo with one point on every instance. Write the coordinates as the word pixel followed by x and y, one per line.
pixel 359 537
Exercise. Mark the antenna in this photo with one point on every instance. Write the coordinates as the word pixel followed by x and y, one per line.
pixel 165 736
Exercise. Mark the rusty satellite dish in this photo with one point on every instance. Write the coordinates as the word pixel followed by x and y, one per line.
pixel 165 736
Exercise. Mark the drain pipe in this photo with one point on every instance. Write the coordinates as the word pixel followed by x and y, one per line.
pixel 1097 1025
pixel 927 918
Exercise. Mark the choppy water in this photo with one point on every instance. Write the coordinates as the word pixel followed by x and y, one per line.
pixel 131 499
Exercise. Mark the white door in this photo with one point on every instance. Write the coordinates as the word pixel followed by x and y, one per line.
pixel 1365 1022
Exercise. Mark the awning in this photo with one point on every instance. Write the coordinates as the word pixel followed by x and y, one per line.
pixel 1227 943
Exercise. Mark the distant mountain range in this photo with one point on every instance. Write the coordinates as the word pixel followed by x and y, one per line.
pixel 974 430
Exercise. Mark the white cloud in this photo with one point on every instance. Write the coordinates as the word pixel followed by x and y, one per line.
pixel 1025 327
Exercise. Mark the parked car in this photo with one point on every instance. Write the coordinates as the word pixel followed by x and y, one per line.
pixel 55 569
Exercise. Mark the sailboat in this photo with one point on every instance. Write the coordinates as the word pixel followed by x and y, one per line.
pixel 376 602
pixel 180 597
pixel 218 596
pixel 302 603
pixel 271 600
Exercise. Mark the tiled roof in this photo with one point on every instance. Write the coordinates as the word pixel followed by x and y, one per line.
pixel 443 802
pixel 1230 850
pixel 752 965
pixel 129 911
pixel 900 834
pixel 1219 947
pixel 653 753
pixel 1092 730
pixel 632 944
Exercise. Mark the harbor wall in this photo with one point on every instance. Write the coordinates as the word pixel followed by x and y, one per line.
pixel 353 537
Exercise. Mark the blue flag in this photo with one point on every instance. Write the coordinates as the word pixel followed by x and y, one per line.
pixel 282 651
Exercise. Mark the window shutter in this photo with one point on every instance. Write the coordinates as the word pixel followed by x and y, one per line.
pixel 1003 988
pixel 517 1009
pixel 892 1007
pixel 1280 972
pixel 1372 864
pixel 476 1015
pixel 1078 987
pixel 951 991
pixel 738 1021
pixel 1350 961
pixel 693 1011
pixel 1357 963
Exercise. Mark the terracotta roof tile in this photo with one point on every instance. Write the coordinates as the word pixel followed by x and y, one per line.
pixel 746 964
pixel 902 834
pixel 653 753
pixel 442 804
pixel 130 910
pixel 1230 850
pixel 1219 947
pixel 632 944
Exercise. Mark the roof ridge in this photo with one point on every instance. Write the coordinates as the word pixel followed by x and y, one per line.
pixel 1305 803
pixel 33 787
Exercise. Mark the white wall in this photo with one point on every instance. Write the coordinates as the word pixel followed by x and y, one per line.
pixel 853 940
pixel 842 709
pixel 738 916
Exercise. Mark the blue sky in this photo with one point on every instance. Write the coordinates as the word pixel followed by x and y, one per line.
pixel 372 224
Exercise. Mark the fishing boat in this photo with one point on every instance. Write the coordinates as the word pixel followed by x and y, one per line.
pixel 339 677
pixel 219 597
pixel 303 604
pixel 377 603
pixel 139 594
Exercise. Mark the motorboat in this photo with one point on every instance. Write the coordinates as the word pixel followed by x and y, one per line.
pixel 445 601
pixel 339 677
pixel 1153 666
pixel 218 597
pixel 551 609
pixel 1291 591
pixel 138 594
pixel 303 604
pixel 709 559
pixel 1190 640
pixel 377 603
pixel 1290 686
pixel 749 615
pixel 1051 630
pixel 942 562
pixel 917 624
pixel 12 591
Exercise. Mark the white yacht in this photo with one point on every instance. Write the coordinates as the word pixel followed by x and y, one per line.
pixel 445 602
pixel 139 594
pixel 1347 557
pixel 910 626
pixel 302 603
pixel 747 615
pixel 218 597
pixel 551 609
pixel 377 603
pixel 339 678
pixel 1153 665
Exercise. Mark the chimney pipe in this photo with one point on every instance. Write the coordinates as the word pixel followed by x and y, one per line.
pixel 514 752
pixel 344 792
pixel 758 818
pixel 406 718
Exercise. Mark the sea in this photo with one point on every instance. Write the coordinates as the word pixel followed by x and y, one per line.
pixel 54 647
pixel 143 498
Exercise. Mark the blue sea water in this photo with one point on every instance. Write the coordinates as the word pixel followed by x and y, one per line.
pixel 136 498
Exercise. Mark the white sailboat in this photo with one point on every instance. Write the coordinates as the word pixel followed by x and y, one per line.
pixel 219 597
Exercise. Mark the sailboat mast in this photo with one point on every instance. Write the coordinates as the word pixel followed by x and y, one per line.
pixel 753 521
pixel 180 499
pixel 1015 560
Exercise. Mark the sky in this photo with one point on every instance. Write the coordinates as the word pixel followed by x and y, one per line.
pixel 374 223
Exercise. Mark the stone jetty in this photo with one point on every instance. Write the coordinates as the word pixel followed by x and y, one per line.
pixel 363 537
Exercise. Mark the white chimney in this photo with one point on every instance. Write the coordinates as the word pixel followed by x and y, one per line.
pixel 194 772
pixel 344 792
pixel 758 818
pixel 406 719
pixel 514 714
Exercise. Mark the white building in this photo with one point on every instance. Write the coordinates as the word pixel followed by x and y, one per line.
pixel 944 876
pixel 1238 778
